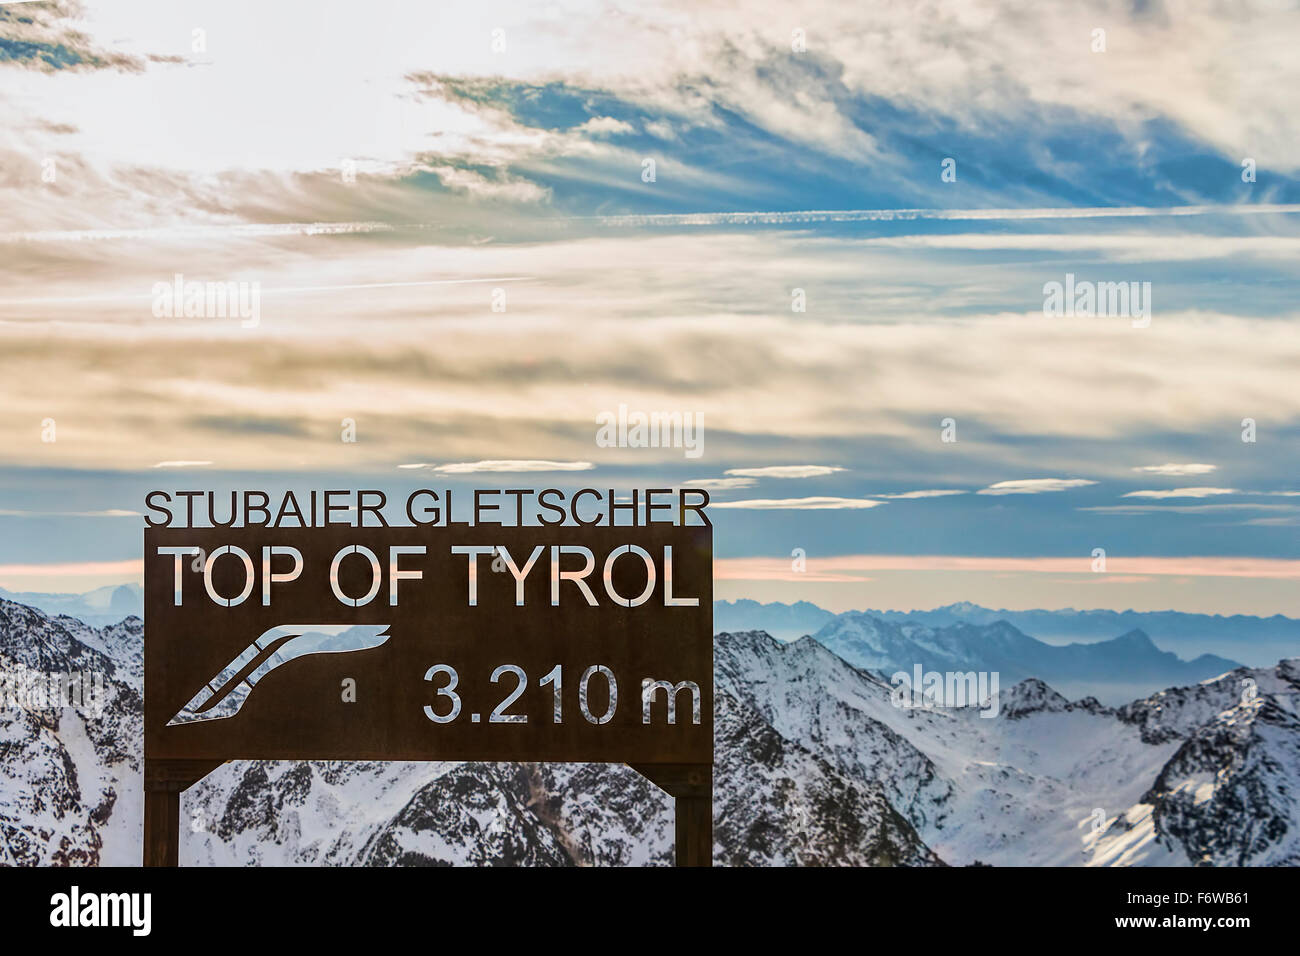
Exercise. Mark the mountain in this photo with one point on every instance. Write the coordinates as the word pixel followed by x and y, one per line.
pixel 70 781
pixel 815 764
pixel 783 621
pixel 98 608
pixel 1114 671
pixel 1201 774
pixel 1230 794
pixel 1255 640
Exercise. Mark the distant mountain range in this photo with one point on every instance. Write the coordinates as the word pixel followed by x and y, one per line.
pixel 98 608
pixel 1113 671
pixel 1256 640
pixel 783 621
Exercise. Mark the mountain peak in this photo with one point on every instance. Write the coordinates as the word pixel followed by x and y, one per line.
pixel 1031 696
pixel 962 607
pixel 1136 638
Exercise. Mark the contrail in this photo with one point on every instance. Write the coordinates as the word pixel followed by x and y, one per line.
pixel 755 218
pixel 908 215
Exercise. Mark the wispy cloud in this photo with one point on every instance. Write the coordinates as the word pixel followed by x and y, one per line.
pixel 800 504
pixel 1186 509
pixel 784 471
pixel 1177 470
pixel 1034 486
pixel 720 484
pixel 73 569
pixel 506 465
pixel 926 493
pixel 106 513
pixel 1182 493
pixel 183 463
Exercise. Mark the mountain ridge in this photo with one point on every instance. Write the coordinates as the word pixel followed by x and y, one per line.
pixel 816 764
pixel 1108 670
pixel 1256 640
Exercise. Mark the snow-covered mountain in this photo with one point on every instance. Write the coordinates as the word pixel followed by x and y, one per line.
pixel 70 780
pixel 1208 773
pixel 814 765
pixel 1113 671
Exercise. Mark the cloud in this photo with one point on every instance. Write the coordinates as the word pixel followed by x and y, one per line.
pixel 719 484
pixel 1034 486
pixel 42 38
pixel 929 493
pixel 1182 493
pixel 1186 509
pixel 1054 132
pixel 474 184
pixel 106 513
pixel 1177 470
pixel 591 334
pixel 799 504
pixel 445 150
pixel 784 471
pixel 524 382
pixel 498 465
pixel 604 125
pixel 125 567
pixel 183 463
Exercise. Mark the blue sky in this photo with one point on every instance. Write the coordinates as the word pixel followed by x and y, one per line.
pixel 520 169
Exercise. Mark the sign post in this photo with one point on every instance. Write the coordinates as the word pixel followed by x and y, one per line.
pixel 454 642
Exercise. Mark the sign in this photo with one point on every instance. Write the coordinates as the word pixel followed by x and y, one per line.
pixel 441 641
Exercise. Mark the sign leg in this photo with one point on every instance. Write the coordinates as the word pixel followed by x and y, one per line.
pixel 163 782
pixel 694 831
pixel 162 827
pixel 691 787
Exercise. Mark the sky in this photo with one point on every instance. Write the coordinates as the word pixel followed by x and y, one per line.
pixel 840 266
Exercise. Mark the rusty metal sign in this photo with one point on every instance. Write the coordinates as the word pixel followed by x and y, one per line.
pixel 452 642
